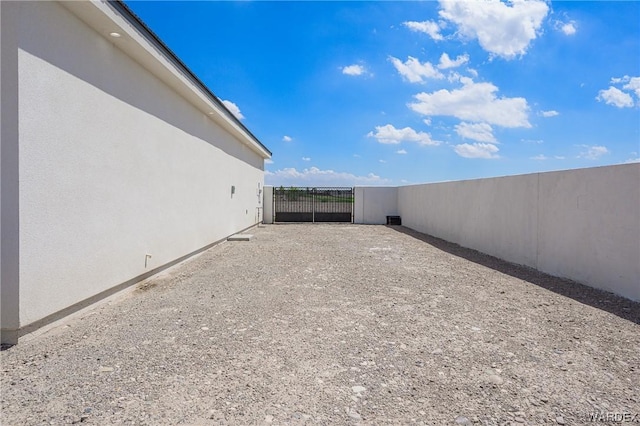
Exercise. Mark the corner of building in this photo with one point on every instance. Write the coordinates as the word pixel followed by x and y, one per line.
pixel 9 209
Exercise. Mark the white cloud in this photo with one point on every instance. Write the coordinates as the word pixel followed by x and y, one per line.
pixel 382 161
pixel 401 151
pixel 502 29
pixel 313 176
pixel 268 161
pixel 390 135
pixel 447 62
pixel 616 97
pixel 635 158
pixel 306 158
pixel 593 152
pixel 569 28
pixel 477 150
pixel 540 157
pixel 633 84
pixel 481 132
pixel 550 113
pixel 286 138
pixel 353 70
pixel 474 102
pixel 454 77
pixel 619 98
pixel 414 71
pixel 428 27
pixel 565 25
pixel 233 108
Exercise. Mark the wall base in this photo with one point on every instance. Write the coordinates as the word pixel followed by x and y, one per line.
pixel 8 337
pixel 11 337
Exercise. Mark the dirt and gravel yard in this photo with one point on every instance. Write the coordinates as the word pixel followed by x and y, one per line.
pixel 334 324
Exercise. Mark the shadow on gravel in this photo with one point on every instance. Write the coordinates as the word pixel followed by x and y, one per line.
pixel 609 302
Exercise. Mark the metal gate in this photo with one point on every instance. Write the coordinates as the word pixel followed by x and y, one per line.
pixel 313 204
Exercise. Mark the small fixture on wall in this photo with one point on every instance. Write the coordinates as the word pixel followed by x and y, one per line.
pixel 233 190
pixel 115 35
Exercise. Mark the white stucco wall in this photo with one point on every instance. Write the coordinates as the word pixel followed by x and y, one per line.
pixel 373 204
pixel 114 164
pixel 589 227
pixel 268 204
pixel 578 224
pixel 495 216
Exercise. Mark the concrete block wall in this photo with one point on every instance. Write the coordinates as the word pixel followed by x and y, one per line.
pixel 372 204
pixel 495 216
pixel 589 227
pixel 579 224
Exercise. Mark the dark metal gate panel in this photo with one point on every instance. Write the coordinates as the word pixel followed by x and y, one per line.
pixel 333 204
pixel 313 204
pixel 293 204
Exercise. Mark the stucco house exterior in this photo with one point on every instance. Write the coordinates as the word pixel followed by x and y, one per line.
pixel 116 161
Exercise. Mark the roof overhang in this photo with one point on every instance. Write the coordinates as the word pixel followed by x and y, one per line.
pixel 142 45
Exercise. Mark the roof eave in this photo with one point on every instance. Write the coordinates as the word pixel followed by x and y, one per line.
pixel 146 48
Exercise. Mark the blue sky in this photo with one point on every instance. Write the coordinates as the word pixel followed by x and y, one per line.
pixel 392 93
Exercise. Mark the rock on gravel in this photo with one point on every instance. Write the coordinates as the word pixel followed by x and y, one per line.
pixel 461 420
pixel 495 379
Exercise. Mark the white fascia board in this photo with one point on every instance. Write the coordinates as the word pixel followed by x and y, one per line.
pixel 104 19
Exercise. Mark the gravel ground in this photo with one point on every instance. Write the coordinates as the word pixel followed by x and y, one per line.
pixel 334 324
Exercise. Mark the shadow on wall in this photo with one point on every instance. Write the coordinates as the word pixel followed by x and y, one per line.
pixel 609 302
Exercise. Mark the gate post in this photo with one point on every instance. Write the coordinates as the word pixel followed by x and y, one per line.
pixel 313 206
pixel 353 204
pixel 267 202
